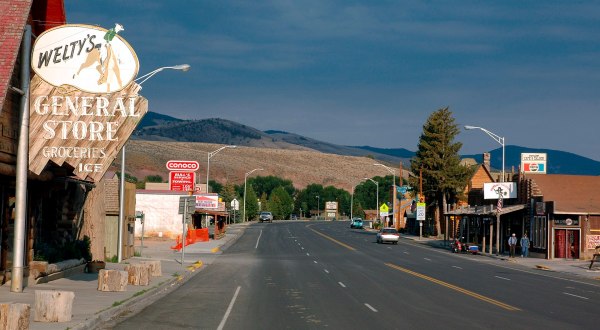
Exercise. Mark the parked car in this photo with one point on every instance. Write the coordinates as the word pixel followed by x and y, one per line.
pixel 265 216
pixel 356 223
pixel 388 235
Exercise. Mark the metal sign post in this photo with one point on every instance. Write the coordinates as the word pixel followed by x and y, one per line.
pixel 140 215
pixel 420 217
pixel 187 206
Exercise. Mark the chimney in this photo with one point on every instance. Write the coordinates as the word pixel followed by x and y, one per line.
pixel 486 160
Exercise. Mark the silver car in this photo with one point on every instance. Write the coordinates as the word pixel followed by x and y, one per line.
pixel 388 235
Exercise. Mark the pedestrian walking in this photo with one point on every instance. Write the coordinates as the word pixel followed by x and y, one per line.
pixel 512 242
pixel 525 246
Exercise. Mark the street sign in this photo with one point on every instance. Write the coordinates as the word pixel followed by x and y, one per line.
pixel 384 208
pixel 421 211
pixel 402 189
pixel 191 204
pixel 235 205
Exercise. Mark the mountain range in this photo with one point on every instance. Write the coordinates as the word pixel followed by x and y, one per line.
pixel 158 127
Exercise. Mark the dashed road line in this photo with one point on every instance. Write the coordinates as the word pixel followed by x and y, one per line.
pixel 502 278
pixel 427 259
pixel 226 316
pixel 341 284
pixel 326 271
pixel 371 307
pixel 457 267
pixel 258 240
pixel 574 295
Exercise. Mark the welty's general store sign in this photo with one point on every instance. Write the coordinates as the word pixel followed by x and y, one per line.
pixel 84 104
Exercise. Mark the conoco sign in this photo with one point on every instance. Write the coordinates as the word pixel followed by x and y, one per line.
pixel 183 165
pixel 84 104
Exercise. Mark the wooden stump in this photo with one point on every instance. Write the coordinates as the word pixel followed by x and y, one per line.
pixel 139 274
pixel 53 306
pixel 14 316
pixel 112 280
pixel 155 268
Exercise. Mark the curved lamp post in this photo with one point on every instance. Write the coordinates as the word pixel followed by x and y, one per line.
pixel 180 67
pixel 391 170
pixel 318 206
pixel 210 155
pixel 500 140
pixel 377 205
pixel 246 177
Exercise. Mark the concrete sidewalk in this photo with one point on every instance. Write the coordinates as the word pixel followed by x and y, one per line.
pixel 573 268
pixel 92 308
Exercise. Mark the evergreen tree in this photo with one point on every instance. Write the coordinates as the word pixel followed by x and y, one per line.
pixel 251 204
pixel 280 203
pixel 438 158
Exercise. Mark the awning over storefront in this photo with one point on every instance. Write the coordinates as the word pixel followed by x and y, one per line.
pixel 212 212
pixel 483 210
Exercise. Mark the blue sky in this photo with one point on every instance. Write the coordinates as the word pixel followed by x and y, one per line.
pixel 371 72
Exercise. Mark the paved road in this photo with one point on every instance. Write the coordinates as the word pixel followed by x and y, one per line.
pixel 299 275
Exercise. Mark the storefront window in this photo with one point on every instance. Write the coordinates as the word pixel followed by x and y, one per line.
pixel 539 225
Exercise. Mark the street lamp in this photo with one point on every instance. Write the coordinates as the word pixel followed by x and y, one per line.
pixel 501 141
pixel 496 138
pixel 179 67
pixel 377 205
pixel 245 177
pixel 318 206
pixel 210 155
pixel 391 170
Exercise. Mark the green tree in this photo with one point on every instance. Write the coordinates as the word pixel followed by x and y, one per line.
pixel 154 178
pixel 251 203
pixel 438 158
pixel 266 184
pixel 228 193
pixel 280 203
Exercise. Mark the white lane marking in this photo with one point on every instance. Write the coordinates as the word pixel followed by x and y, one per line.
pixel 574 295
pixel 427 259
pixel 502 278
pixel 326 271
pixel 371 307
pixel 302 248
pixel 405 252
pixel 457 267
pixel 317 262
pixel 308 254
pixel 258 240
pixel 222 324
pixel 341 284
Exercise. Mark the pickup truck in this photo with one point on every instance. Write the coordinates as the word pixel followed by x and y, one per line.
pixel 265 216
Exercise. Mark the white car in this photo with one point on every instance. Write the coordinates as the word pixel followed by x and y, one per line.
pixel 388 235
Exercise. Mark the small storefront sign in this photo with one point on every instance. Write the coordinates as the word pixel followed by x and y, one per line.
pixel 591 241
pixel 182 180
pixel 566 222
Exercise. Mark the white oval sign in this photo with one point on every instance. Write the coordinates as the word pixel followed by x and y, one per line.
pixel 89 58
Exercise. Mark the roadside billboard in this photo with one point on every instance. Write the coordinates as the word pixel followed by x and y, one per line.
pixel 182 180
pixel 207 201
pixel 533 163
pixel 490 190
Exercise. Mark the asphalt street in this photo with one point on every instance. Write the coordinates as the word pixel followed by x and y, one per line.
pixel 301 275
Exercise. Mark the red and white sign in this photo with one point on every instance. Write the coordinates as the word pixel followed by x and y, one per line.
pixel 183 165
pixel 207 201
pixel 182 180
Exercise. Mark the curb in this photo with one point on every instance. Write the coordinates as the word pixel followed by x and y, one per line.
pixel 108 317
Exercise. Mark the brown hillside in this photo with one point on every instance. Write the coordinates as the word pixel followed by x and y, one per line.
pixel 303 167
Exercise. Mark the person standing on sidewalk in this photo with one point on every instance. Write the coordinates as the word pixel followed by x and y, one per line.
pixel 512 242
pixel 524 246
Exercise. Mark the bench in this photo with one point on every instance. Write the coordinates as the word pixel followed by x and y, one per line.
pixel 595 257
